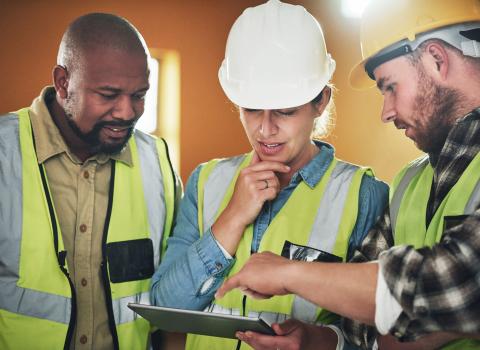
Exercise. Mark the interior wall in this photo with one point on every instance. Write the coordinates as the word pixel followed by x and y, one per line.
pixel 31 31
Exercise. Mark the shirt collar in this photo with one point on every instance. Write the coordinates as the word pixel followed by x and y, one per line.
pixel 460 135
pixel 314 170
pixel 48 140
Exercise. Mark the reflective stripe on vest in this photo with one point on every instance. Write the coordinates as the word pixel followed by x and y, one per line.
pixel 24 213
pixel 16 299
pixel 270 317
pixel 325 228
pixel 396 199
pixel 145 149
pixel 332 206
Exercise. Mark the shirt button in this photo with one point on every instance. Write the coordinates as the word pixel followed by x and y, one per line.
pixel 218 265
pixel 86 175
pixel 83 228
pixel 83 339
pixel 84 282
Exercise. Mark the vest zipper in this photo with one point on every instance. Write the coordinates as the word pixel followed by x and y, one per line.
pixel 171 170
pixel 61 256
pixel 104 266
pixel 244 307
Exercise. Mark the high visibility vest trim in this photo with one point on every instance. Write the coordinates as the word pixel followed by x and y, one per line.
pixel 408 174
pixel 216 178
pixel 57 306
pixel 403 180
pixel 270 317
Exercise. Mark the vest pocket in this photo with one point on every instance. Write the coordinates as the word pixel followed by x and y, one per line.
pixel 299 252
pixel 452 221
pixel 130 260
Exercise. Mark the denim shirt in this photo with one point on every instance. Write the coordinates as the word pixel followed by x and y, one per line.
pixel 192 261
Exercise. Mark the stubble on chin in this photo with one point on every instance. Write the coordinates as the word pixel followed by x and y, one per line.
pixel 437 108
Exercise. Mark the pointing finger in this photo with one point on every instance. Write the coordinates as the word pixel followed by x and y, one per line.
pixel 227 286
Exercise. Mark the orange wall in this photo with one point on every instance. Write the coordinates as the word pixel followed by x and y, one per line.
pixel 31 31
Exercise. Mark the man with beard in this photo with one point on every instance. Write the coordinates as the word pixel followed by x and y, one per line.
pixel 422 280
pixel 87 201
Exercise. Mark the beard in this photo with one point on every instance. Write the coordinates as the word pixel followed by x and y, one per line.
pixel 437 107
pixel 93 138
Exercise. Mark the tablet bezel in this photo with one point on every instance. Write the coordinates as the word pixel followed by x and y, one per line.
pixel 200 322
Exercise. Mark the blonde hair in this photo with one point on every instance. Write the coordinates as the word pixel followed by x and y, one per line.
pixel 324 123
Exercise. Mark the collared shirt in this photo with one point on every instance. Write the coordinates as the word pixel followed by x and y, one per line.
pixel 192 260
pixel 414 277
pixel 80 196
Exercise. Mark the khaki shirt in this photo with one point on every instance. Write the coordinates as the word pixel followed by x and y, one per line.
pixel 80 197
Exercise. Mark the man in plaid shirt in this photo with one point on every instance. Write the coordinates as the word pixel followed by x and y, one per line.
pixel 423 284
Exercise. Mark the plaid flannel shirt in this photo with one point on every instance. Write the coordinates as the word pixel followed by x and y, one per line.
pixel 438 287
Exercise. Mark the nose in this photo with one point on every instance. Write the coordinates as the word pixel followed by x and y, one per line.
pixel 268 126
pixel 388 111
pixel 124 108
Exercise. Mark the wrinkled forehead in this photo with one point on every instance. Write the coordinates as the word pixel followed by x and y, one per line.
pixel 125 71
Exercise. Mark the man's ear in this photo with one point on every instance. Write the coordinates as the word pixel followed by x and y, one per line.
pixel 60 81
pixel 437 60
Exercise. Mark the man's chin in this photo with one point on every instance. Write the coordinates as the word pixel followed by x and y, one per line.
pixel 113 145
pixel 110 148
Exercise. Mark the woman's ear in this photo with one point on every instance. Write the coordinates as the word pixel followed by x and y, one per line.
pixel 323 102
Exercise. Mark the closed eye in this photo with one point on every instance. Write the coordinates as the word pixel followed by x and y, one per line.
pixel 250 110
pixel 389 88
pixel 108 96
pixel 139 96
pixel 285 112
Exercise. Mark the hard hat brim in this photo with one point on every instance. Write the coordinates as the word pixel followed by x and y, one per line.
pixel 359 79
pixel 271 97
pixel 275 94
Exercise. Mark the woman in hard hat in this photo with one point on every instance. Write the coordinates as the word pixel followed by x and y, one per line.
pixel 289 195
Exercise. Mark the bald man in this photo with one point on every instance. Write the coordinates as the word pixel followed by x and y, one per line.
pixel 87 200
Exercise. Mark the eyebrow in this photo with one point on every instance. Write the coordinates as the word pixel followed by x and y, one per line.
pixel 381 82
pixel 118 90
pixel 109 88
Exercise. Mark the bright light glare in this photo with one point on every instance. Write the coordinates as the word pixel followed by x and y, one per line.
pixel 148 122
pixel 353 8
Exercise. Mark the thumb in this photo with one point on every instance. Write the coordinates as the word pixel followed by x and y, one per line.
pixel 285 328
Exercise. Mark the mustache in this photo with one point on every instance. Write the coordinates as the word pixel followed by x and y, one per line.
pixel 400 125
pixel 117 123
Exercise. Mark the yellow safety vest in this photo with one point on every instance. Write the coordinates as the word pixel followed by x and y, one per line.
pixel 322 217
pixel 408 207
pixel 37 298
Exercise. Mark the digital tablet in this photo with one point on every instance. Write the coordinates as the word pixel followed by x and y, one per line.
pixel 199 322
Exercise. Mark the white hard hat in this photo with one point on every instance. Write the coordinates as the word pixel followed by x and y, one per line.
pixel 275 58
